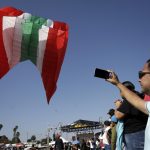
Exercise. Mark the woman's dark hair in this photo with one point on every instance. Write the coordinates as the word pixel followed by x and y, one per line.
pixel 129 85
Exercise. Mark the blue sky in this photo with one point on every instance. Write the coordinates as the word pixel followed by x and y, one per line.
pixel 102 34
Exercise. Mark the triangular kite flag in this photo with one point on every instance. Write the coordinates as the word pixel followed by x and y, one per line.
pixel 27 37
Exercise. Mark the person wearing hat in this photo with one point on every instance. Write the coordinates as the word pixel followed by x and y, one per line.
pixel 111 112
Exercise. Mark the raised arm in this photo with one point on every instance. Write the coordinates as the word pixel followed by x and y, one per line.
pixel 130 96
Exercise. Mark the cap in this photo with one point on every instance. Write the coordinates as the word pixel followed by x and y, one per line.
pixel 129 85
pixel 111 112
pixel 114 119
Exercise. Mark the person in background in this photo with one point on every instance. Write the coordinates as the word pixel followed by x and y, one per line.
pixel 97 142
pixel 113 132
pixel 111 113
pixel 33 147
pixel 101 140
pixel 119 128
pixel 107 135
pixel 59 145
pixel 83 145
pixel 134 121
pixel 134 99
pixel 92 144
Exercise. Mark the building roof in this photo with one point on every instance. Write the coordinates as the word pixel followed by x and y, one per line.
pixel 81 125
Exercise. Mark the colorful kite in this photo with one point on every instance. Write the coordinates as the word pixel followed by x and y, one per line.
pixel 26 37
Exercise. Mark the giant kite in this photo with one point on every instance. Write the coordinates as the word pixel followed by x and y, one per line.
pixel 27 37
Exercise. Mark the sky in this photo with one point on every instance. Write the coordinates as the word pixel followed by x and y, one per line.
pixel 107 34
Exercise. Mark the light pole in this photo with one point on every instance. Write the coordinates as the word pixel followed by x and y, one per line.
pixel 49 129
pixel 27 136
pixel 59 126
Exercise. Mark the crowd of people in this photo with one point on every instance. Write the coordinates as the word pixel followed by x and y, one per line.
pixel 78 144
pixel 129 125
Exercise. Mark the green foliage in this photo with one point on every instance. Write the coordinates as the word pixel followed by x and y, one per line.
pixel 33 138
pixel 15 140
pixel 28 140
pixel 4 139
pixel 15 130
pixel 16 135
pixel 1 126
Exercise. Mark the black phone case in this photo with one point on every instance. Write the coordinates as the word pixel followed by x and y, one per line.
pixel 100 73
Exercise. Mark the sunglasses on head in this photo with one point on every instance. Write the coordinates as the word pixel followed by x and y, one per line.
pixel 141 74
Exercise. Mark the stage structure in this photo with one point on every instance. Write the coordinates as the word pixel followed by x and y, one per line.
pixel 83 128
pixel 82 125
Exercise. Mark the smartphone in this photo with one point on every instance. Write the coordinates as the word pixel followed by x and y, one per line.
pixel 100 73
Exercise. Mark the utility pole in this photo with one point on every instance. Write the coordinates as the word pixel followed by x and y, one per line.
pixel 27 136
pixel 48 136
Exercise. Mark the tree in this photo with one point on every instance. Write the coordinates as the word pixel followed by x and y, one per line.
pixel 15 138
pixel 17 134
pixel 15 130
pixel 4 139
pixel 33 138
pixel 28 140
